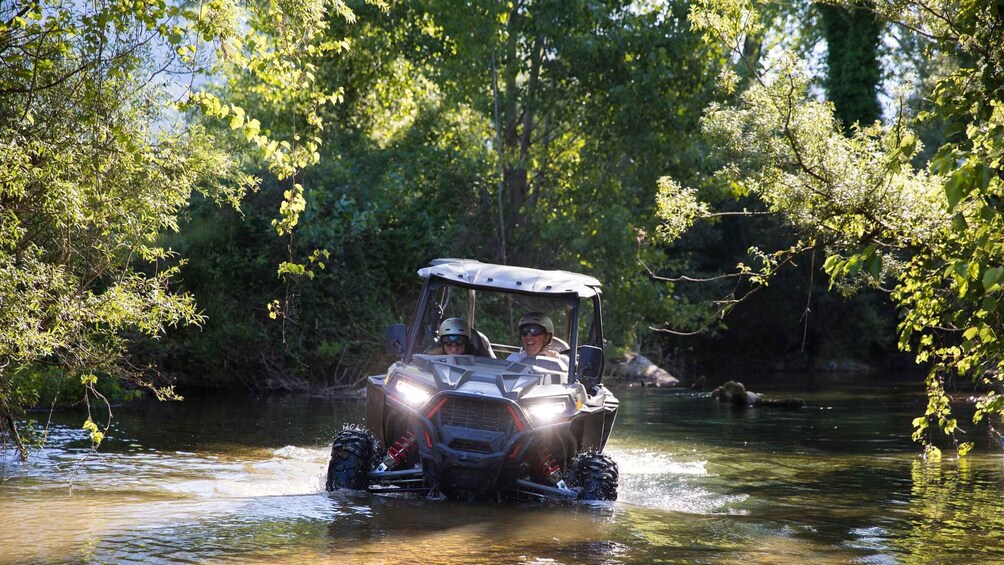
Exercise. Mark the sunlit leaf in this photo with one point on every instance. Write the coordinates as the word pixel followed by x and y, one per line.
pixel 992 276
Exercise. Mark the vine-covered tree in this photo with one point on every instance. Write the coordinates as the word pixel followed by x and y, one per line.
pixel 853 70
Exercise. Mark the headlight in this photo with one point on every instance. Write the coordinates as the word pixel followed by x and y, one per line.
pixel 545 412
pixel 413 395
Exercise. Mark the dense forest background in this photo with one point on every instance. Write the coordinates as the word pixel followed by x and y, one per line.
pixel 530 136
pixel 224 195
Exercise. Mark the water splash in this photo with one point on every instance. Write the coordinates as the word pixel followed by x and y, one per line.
pixel 648 462
pixel 670 482
pixel 289 471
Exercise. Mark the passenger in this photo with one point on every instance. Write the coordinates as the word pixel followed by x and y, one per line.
pixel 454 338
pixel 536 330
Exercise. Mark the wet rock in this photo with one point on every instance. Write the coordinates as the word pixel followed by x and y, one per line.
pixel 735 393
pixel 638 370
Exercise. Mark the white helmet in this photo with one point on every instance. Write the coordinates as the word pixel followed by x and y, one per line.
pixel 454 326
pixel 538 318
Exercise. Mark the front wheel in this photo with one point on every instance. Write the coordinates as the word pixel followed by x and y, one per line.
pixel 596 475
pixel 354 453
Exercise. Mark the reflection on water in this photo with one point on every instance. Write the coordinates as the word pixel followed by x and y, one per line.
pixel 212 480
pixel 956 507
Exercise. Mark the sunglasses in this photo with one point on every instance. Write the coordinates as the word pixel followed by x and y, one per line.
pixel 454 340
pixel 532 330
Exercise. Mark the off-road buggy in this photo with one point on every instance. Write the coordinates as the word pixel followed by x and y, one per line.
pixel 477 426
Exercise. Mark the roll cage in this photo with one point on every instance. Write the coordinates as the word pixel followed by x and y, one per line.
pixel 573 298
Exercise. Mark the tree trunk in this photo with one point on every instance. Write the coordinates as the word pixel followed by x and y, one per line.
pixel 520 115
pixel 9 426
pixel 853 70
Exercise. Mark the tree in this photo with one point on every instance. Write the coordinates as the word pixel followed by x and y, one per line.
pixel 795 322
pixel 101 152
pixel 853 70
pixel 932 232
pixel 583 105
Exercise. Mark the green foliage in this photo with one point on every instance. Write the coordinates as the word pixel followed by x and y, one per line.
pixel 595 101
pixel 97 160
pixel 934 234
pixel 678 207
pixel 586 105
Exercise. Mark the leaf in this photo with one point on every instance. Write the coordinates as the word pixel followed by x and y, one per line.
pixel 954 189
pixel 853 265
pixel 987 335
pixel 960 269
pixel 874 266
pixel 992 276
pixel 949 426
pixel 271 148
pixel 96 434
pixel 908 144
pixel 983 176
pixel 832 264
pixel 251 129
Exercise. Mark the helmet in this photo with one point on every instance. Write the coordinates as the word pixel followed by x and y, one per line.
pixel 454 326
pixel 538 318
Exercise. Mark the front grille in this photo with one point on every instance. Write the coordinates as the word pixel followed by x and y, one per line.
pixel 476 414
pixel 471 446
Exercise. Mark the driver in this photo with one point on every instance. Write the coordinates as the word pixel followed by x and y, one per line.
pixel 536 330
pixel 454 338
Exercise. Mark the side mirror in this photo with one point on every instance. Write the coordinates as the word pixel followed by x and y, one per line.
pixel 590 364
pixel 395 336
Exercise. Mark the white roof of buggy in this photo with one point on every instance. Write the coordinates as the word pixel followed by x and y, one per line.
pixel 504 277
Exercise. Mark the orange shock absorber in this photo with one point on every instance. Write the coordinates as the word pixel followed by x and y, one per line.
pixel 548 467
pixel 399 452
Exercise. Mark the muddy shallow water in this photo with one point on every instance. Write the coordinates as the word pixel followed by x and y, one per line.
pixel 239 479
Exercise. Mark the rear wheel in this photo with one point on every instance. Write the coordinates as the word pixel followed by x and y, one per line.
pixel 596 475
pixel 354 453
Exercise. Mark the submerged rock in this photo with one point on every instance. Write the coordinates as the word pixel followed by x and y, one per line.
pixel 735 393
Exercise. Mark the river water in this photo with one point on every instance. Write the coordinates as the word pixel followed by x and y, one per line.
pixel 241 480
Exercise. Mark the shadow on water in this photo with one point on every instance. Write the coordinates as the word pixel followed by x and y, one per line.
pixel 212 480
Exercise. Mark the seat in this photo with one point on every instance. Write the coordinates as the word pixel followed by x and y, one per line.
pixel 558 345
pixel 482 347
